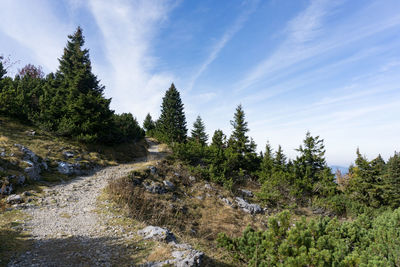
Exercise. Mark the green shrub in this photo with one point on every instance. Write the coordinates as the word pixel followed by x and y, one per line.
pixel 320 242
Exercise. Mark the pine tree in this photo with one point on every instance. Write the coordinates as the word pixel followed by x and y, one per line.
pixel 267 162
pixel 279 159
pixel 392 181
pixel 171 126
pixel 367 184
pixel 86 113
pixel 148 123
pixel 310 165
pixel 198 132
pixel 218 139
pixel 239 141
pixel 3 71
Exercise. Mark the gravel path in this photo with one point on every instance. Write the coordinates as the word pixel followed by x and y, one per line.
pixel 66 229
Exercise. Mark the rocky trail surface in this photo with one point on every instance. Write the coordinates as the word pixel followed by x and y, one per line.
pixel 66 228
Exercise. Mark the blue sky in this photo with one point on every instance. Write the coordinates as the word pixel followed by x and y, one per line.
pixel 328 67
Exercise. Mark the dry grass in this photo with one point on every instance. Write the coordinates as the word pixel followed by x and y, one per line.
pixel 13 240
pixel 51 147
pixel 65 215
pixel 160 253
pixel 195 215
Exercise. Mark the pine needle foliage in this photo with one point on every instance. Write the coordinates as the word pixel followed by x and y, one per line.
pixel 171 126
pixel 199 131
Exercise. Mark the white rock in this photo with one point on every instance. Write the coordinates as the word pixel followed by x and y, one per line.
pixel 247 207
pixel 246 193
pixel 157 233
pixel 226 201
pixel 14 199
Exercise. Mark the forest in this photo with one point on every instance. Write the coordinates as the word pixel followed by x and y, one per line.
pixel 358 222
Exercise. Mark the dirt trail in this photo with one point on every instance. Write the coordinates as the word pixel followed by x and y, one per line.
pixel 66 229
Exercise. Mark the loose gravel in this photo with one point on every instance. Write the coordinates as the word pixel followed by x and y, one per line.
pixel 66 229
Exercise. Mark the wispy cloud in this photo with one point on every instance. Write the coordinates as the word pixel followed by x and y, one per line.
pixel 307 39
pixel 35 27
pixel 300 30
pixel 226 37
pixel 128 29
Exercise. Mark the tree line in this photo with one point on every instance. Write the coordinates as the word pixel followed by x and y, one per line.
pixel 69 102
pixel 305 180
pixel 369 194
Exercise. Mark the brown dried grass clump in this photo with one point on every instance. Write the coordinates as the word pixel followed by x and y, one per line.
pixel 146 207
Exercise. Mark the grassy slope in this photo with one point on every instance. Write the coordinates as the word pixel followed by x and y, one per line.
pixel 51 147
pixel 192 212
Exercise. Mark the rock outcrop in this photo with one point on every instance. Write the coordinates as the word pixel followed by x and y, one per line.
pixel 69 168
pixel 247 207
pixel 183 255
pixel 14 199
pixel 35 164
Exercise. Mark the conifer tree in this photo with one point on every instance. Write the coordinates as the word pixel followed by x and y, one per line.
pixel 239 141
pixel 311 164
pixel 171 126
pixel 392 181
pixel 279 159
pixel 367 184
pixel 267 162
pixel 148 123
pixel 218 139
pixel 86 113
pixel 3 71
pixel 199 131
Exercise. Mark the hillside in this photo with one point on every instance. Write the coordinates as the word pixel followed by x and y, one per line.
pixel 32 161
pixel 30 156
pixel 86 219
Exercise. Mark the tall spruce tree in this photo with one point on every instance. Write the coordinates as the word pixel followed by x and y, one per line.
pixel 239 141
pixel 367 184
pixel 199 131
pixel 86 113
pixel 392 181
pixel 280 159
pixel 171 126
pixel 311 164
pixel 148 123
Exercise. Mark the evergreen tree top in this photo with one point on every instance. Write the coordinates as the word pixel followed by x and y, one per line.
pixel 148 123
pixel 239 140
pixel 312 157
pixel 3 71
pixel 219 139
pixel 172 121
pixel 199 131
pixel 75 65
